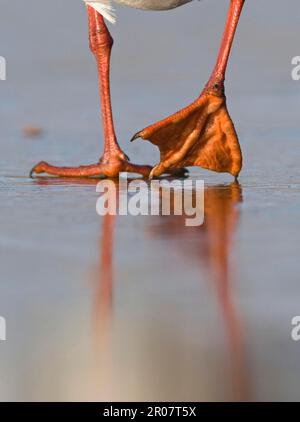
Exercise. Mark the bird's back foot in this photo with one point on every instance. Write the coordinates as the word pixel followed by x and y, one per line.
pixel 111 167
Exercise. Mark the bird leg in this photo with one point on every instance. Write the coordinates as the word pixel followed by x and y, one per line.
pixel 203 133
pixel 114 160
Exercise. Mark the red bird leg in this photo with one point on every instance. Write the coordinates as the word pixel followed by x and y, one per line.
pixel 114 160
pixel 216 81
pixel 101 44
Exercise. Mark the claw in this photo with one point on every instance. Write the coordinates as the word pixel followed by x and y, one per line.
pixel 32 171
pixel 38 168
pixel 135 137
pixel 152 173
pixel 180 172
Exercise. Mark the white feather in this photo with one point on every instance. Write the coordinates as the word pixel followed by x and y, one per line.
pixel 104 7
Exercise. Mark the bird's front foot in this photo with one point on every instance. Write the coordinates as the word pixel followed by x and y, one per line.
pixel 111 167
pixel 201 134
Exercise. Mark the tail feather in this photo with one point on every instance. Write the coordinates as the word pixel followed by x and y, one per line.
pixel 104 7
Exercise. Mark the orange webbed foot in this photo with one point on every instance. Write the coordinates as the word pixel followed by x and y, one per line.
pixel 201 134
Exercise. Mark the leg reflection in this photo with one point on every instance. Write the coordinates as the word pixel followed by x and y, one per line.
pixel 211 245
pixel 221 221
pixel 103 310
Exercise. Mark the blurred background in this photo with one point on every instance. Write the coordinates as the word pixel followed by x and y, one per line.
pixel 144 308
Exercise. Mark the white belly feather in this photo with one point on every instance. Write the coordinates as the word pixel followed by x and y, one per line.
pixel 106 9
pixel 153 4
